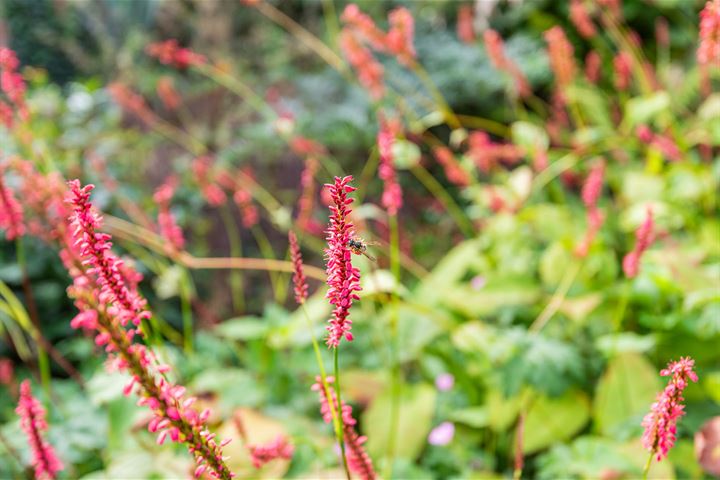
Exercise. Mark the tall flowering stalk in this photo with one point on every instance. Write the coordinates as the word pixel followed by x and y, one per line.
pixel 661 422
pixel 643 239
pixel 342 278
pixel 358 460
pixel 32 421
pixel 301 292
pixel 110 303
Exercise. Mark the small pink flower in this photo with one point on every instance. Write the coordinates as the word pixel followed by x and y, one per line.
pixel 465 27
pixel 591 191
pixel 643 239
pixel 496 51
pixel 399 39
pixel 170 53
pixel 708 52
pixel 661 423
pixel 32 421
pixel 370 71
pixel 278 448
pixel 444 382
pixel 11 213
pixel 442 434
pixel 593 65
pixel 562 60
pixel 453 171
pixel 299 280
pixel 622 64
pixel 392 193
pixel 580 17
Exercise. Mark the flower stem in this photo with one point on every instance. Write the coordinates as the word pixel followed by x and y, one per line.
pixel 43 361
pixel 646 470
pixel 396 374
pixel 339 412
pixel 185 305
pixel 443 197
pixel 236 281
pixel 337 427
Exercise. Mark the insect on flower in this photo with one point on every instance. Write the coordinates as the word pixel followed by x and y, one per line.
pixel 359 247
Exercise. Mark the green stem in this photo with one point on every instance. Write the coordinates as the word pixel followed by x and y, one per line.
pixel 442 104
pixel 396 374
pixel 43 361
pixel 443 197
pixel 646 470
pixel 339 412
pixel 323 376
pixel 276 282
pixel 236 281
pixel 187 317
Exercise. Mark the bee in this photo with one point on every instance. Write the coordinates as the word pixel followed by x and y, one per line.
pixel 359 247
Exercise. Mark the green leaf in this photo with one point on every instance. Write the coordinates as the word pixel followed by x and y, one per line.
pixel 529 136
pixel 592 105
pixel 586 457
pixel 640 110
pixel 405 154
pixel 625 392
pixel 503 410
pixel 415 421
pixel 491 298
pixel 476 417
pixel 552 264
pixel 552 420
pixel 243 328
pixel 625 342
pixel 447 272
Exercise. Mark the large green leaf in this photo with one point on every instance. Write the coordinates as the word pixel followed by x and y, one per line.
pixel 552 420
pixel 417 406
pixel 625 392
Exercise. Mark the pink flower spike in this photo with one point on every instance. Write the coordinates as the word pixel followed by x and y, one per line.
pixel 11 213
pixel 278 448
pixel 661 423
pixel 32 421
pixel 342 278
pixel 299 280
pixel 643 239
pixel 392 194
pixel 708 52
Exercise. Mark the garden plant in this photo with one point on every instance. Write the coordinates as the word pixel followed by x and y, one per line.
pixel 264 239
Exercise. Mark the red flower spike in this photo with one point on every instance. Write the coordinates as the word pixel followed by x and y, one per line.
pixel 342 278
